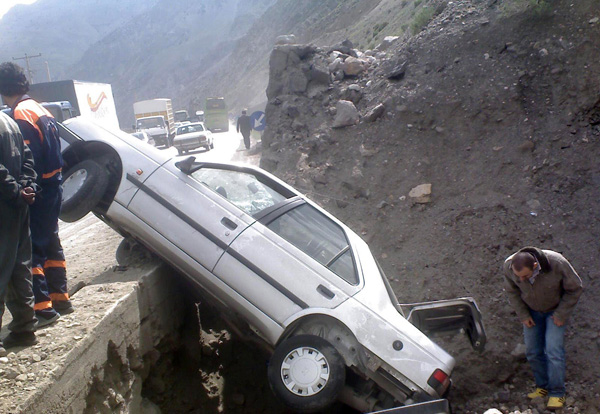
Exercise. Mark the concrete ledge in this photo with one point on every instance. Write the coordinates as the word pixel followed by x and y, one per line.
pixel 94 357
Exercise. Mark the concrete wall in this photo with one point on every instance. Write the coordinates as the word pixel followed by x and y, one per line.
pixel 103 371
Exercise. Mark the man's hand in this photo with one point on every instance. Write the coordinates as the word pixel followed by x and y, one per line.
pixel 557 321
pixel 529 322
pixel 28 195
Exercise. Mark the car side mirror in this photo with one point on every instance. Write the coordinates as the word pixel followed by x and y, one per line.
pixel 186 165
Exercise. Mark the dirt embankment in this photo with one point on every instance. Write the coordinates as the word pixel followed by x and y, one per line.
pixel 500 113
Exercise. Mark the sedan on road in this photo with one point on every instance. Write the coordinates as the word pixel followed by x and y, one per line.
pixel 284 271
pixel 192 136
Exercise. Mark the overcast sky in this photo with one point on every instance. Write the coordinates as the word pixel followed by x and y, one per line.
pixel 5 5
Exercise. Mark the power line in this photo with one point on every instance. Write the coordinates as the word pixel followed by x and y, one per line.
pixel 27 57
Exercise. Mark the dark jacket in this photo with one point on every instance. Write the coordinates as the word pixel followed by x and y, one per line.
pixel 41 135
pixel 244 124
pixel 16 162
pixel 556 288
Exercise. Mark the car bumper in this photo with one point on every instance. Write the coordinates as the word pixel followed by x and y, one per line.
pixel 190 144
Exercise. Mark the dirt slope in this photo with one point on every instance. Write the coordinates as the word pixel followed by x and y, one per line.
pixel 500 112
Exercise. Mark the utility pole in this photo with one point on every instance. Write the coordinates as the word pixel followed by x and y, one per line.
pixel 27 57
pixel 48 71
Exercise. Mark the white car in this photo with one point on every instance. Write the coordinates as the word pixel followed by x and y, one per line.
pixel 281 268
pixel 191 136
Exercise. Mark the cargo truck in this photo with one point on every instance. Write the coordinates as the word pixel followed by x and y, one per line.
pixel 155 116
pixel 70 98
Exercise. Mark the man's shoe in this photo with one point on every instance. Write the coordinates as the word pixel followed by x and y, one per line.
pixel 554 403
pixel 19 339
pixel 64 307
pixel 43 321
pixel 538 393
pixel 3 352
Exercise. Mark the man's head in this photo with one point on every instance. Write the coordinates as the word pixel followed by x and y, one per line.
pixel 523 264
pixel 244 111
pixel 13 81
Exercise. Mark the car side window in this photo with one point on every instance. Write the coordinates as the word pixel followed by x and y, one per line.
pixel 319 237
pixel 242 189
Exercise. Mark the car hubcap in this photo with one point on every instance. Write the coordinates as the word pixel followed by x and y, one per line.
pixel 305 371
pixel 72 184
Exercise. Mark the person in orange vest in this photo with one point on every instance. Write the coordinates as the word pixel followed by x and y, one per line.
pixel 40 133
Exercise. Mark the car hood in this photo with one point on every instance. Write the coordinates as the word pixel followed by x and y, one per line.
pixel 155 131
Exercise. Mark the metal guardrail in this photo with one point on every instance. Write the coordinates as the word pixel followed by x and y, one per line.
pixel 430 407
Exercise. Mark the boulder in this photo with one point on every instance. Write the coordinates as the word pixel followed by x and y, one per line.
pixel 336 64
pixel 319 75
pixel 346 114
pixel 375 113
pixel 421 193
pixel 387 42
pixel 297 82
pixel 397 72
pixel 288 39
pixel 353 66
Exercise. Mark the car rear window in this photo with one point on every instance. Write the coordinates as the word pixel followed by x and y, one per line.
pixel 319 237
pixel 242 189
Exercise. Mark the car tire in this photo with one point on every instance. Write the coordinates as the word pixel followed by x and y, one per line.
pixel 180 151
pixel 212 145
pixel 307 373
pixel 83 187
pixel 129 252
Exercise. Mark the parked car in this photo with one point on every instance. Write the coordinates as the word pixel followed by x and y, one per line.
pixel 191 136
pixel 283 270
pixel 144 137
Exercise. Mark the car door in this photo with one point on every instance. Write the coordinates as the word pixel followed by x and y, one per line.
pixel 183 210
pixel 292 259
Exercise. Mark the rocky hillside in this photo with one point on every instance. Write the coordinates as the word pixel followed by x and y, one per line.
pixel 61 30
pixel 448 151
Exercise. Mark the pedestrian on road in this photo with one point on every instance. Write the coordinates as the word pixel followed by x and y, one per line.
pixel 41 135
pixel 17 190
pixel 244 125
pixel 543 289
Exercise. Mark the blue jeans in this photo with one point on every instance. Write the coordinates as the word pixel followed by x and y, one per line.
pixel 546 353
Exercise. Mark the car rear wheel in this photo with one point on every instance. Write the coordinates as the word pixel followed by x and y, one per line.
pixel 83 187
pixel 307 373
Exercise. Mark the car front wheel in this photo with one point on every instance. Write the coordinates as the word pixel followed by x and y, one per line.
pixel 307 373
pixel 83 187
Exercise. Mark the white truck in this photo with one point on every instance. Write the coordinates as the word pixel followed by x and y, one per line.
pixel 91 100
pixel 155 116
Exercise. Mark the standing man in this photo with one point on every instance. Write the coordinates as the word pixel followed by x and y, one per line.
pixel 543 289
pixel 17 190
pixel 244 125
pixel 41 135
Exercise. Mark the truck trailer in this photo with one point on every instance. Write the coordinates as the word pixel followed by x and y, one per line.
pixel 155 116
pixel 92 100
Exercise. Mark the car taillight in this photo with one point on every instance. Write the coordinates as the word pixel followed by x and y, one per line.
pixel 439 381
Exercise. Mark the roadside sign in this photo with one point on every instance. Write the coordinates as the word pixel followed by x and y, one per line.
pixel 258 120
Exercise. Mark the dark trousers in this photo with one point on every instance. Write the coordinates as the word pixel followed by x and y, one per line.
pixel 15 267
pixel 246 135
pixel 49 267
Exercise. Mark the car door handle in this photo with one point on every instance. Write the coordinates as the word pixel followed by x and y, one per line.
pixel 228 223
pixel 325 292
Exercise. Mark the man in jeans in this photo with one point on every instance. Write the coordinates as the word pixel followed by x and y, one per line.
pixel 543 288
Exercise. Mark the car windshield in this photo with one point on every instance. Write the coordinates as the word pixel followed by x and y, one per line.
pixel 146 123
pixel 186 129
pixel 242 189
